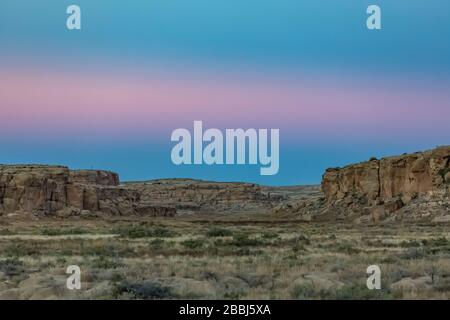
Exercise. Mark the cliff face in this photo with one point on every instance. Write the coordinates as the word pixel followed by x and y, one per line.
pixel 390 183
pixel 411 186
pixel 407 176
pixel 97 177
pixel 58 191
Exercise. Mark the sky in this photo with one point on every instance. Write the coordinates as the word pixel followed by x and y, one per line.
pixel 109 95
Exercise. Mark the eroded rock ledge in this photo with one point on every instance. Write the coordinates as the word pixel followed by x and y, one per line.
pixel 58 191
pixel 416 184
pixel 197 196
pixel 407 187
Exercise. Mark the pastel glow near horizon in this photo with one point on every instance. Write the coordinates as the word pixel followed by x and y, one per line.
pixel 118 104
pixel 114 104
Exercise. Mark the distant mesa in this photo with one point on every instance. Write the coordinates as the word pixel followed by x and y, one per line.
pixel 407 187
pixel 56 191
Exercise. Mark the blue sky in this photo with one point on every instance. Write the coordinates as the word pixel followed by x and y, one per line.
pixel 320 48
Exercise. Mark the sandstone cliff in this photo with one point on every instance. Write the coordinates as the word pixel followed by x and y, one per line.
pixel 407 176
pixel 57 191
pixel 408 187
pixel 393 184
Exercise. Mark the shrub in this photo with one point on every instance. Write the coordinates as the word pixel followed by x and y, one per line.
pixel 303 291
pixel 410 243
pixel 413 254
pixel 304 239
pixel 143 232
pixel 109 250
pixel 219 232
pixel 157 242
pixel 357 292
pixel 163 233
pixel 352 292
pixel 443 172
pixel 437 242
pixel 147 290
pixel 6 232
pixel 61 232
pixel 298 248
pixel 270 235
pixel 347 248
pixel 11 267
pixel 21 248
pixel 242 240
pixel 193 243
pixel 105 263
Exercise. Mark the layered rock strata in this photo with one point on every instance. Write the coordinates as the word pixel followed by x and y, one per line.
pixel 195 196
pixel 57 191
pixel 417 183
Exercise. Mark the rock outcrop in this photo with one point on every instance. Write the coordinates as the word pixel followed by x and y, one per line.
pixel 97 177
pixel 395 184
pixel 57 191
pixel 196 196
pixel 412 186
pixel 407 176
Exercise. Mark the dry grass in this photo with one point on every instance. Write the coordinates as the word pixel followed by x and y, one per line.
pixel 243 257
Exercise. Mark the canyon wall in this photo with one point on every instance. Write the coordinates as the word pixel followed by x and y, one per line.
pixel 403 187
pixel 389 184
pixel 57 191
pixel 407 176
